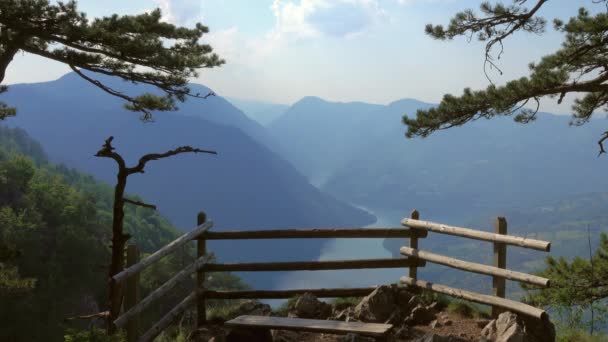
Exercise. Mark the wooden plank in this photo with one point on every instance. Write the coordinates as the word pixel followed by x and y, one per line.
pixel 478 298
pixel 500 261
pixel 132 293
pixel 315 233
pixel 477 234
pixel 161 290
pixel 311 325
pixel 475 267
pixel 413 271
pixel 283 294
pixel 201 250
pixel 167 319
pixel 174 245
pixel 314 265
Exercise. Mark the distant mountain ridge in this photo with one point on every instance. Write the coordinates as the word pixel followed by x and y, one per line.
pixel 358 153
pixel 246 186
pixel 262 112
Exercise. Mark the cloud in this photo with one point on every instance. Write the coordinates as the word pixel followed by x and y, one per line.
pixel 317 18
pixel 181 12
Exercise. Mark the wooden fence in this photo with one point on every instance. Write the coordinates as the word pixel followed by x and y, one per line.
pixel 498 271
pixel 415 258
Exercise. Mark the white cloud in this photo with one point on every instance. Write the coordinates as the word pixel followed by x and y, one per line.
pixel 181 12
pixel 316 18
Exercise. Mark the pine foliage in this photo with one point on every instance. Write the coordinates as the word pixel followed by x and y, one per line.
pixel 578 67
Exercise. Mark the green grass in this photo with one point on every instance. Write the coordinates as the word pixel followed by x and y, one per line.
pixel 343 303
pixel 467 310
pixel 581 336
pixel 223 310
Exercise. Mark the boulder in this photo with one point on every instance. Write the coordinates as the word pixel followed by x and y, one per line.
pixel 538 330
pixel 308 306
pixel 378 306
pixel 420 315
pixel 509 327
pixel 252 307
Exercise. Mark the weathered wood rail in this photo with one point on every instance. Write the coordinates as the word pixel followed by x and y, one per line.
pixel 416 229
pixel 498 271
pixel 202 266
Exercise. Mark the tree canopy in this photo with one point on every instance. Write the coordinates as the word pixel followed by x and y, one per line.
pixel 137 48
pixel 580 66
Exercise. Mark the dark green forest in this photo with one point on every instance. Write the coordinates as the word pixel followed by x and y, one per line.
pixel 55 249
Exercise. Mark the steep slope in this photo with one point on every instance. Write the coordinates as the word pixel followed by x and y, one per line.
pixel 358 153
pixel 245 187
pixel 318 136
pixel 262 112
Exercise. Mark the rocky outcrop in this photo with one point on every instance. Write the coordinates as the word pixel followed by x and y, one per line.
pixel 308 306
pixel 509 327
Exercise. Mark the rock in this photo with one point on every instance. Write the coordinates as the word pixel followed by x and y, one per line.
pixel 402 333
pixel 481 323
pixel 378 306
pixel 448 322
pixel 435 324
pixel 345 315
pixel 252 307
pixel 420 315
pixel 308 306
pixel 506 328
pixel 538 330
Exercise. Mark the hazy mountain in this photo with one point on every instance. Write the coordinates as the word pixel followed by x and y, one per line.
pixel 245 187
pixel 262 112
pixel 360 152
pixel 318 136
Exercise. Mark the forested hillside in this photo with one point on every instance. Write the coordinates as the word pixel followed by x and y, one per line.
pixel 55 236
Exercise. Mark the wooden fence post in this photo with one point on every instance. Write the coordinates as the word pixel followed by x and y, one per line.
pixel 132 293
pixel 500 261
pixel 415 215
pixel 201 250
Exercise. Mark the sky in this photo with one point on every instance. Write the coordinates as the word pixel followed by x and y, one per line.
pixel 340 50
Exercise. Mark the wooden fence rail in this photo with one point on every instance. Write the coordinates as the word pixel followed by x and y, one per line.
pixel 543 246
pixel 416 258
pixel 201 266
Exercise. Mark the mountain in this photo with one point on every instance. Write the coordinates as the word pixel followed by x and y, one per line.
pixel 262 112
pixel 246 186
pixel 358 153
pixel 318 136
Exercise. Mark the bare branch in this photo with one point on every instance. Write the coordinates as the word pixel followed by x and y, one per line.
pixel 141 204
pixel 139 168
pixel 107 151
pixel 103 314
pixel 601 143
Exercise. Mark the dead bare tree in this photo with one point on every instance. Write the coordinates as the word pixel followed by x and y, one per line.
pixel 119 237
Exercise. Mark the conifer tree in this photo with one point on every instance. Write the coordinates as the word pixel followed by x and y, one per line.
pixel 137 48
pixel 579 67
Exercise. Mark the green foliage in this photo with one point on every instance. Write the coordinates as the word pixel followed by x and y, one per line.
pixel 92 335
pixel 54 248
pixel 345 302
pixel 578 335
pixel 139 48
pixel 577 67
pixel 577 286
